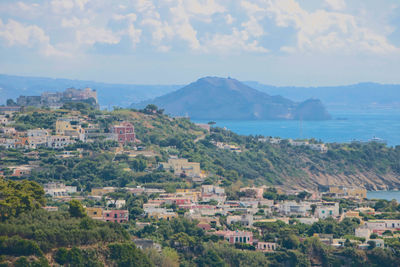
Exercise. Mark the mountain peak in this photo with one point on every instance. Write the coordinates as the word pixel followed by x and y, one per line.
pixel 226 98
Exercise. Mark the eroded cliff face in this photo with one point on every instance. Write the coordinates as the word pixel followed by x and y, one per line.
pixel 367 180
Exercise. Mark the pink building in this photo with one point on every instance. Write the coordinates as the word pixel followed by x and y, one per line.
pixel 236 236
pixel 116 216
pixel 125 132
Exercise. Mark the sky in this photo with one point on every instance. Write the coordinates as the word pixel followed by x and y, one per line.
pixel 277 42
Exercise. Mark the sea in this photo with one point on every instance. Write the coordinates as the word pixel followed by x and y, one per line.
pixel 346 126
pixel 388 195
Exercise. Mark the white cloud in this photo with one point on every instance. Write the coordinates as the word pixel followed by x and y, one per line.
pixel 327 31
pixel 60 6
pixel 17 34
pixel 73 22
pixel 129 17
pixel 237 41
pixel 65 6
pixel 336 4
pixel 134 34
pixel 92 35
pixel 253 28
pixel 203 7
pixel 229 19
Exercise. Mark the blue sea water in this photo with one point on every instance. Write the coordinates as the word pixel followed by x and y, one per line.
pixel 388 195
pixel 346 126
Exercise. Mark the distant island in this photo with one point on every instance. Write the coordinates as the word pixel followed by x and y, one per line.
pixel 342 97
pixel 226 98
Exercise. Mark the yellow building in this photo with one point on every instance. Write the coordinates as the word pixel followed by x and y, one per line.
pixel 65 126
pixel 165 216
pixel 182 166
pixel 94 212
pixel 352 192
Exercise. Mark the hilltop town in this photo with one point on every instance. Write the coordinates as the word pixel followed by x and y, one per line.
pixel 185 193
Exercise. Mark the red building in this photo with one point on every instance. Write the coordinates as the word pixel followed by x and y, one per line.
pixel 236 236
pixel 116 216
pixel 125 132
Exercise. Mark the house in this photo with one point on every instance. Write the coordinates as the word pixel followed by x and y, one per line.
pixel 319 147
pixel 294 208
pixel 245 219
pixel 236 236
pixel 349 192
pixel 182 167
pixel 95 212
pixel 146 244
pixel 363 232
pixel 119 216
pixel 22 170
pixel 3 120
pixel 70 127
pixel 59 141
pixel 118 204
pixel 161 213
pixel 267 246
pixel 59 189
pixel 8 130
pixel 204 226
pixel 51 208
pixel 125 133
pixel 327 209
pixel 379 226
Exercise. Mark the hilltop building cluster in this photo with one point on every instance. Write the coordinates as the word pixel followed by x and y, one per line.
pixel 56 100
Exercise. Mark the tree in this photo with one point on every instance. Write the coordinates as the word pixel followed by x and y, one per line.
pixel 76 209
pixel 11 102
pixel 17 197
pixel 372 244
pixel 291 241
pixel 150 109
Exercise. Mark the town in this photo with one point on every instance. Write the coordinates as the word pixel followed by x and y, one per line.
pixel 145 182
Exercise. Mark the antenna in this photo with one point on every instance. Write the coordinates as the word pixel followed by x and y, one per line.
pixel 301 127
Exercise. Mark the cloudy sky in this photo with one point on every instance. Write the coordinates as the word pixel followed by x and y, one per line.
pixel 279 42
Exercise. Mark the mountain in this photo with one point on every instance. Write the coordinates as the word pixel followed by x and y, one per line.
pixel 356 96
pixel 221 98
pixel 109 95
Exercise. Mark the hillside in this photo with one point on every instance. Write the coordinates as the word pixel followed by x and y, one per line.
pixel 213 98
pixel 371 165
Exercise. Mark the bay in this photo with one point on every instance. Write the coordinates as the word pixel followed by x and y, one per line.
pixel 346 126
pixel 388 195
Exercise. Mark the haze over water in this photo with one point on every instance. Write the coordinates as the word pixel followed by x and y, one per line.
pixel 345 126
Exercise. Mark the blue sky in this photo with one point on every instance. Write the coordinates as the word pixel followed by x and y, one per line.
pixel 278 42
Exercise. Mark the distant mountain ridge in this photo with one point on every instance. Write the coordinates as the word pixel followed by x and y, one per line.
pixel 109 95
pixel 355 96
pixel 226 98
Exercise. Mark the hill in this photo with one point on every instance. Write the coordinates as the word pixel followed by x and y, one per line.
pixel 360 95
pixel 221 98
